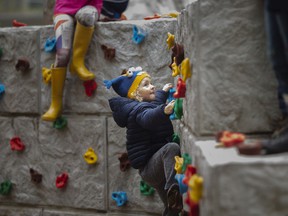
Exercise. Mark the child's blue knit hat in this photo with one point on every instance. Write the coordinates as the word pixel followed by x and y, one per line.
pixel 126 84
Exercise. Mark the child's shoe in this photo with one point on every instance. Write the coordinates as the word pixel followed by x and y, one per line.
pixel 174 199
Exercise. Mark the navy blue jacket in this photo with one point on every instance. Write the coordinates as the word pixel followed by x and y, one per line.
pixel 148 127
pixel 277 5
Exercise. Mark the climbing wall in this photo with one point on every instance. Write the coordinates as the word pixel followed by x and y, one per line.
pixel 231 87
pixel 52 152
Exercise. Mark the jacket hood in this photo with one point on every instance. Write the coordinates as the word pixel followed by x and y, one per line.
pixel 121 107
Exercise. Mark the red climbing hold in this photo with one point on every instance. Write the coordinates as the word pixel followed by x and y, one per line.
pixel 61 180
pixel 15 23
pixel 16 144
pixel 90 87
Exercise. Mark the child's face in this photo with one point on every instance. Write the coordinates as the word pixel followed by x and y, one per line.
pixel 145 90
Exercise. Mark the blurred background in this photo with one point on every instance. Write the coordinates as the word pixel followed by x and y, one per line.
pixel 40 12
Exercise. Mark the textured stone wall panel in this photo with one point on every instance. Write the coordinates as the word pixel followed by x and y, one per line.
pixel 21 88
pixel 187 35
pixel 237 85
pixel 62 151
pixel 70 213
pixel 15 211
pixel 152 55
pixel 128 181
pixel 233 86
pixel 233 182
pixel 15 165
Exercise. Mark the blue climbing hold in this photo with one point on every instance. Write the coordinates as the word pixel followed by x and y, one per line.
pixel 139 34
pixel 50 45
pixel 120 197
pixel 2 89
pixel 182 187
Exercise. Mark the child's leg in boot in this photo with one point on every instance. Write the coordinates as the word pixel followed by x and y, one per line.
pixel 86 19
pixel 64 27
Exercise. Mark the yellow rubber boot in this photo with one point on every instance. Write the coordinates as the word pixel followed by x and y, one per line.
pixel 82 39
pixel 58 77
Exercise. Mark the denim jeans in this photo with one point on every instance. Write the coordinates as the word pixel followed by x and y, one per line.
pixel 277 35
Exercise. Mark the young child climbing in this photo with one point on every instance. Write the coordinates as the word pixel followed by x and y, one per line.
pixel 145 114
pixel 75 38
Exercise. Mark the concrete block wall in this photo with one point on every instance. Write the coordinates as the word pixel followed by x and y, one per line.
pixel 90 124
pixel 232 87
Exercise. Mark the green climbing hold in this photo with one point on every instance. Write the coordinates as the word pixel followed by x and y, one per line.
pixel 5 187
pixel 175 138
pixel 178 108
pixel 146 189
pixel 60 123
pixel 1 52
pixel 186 161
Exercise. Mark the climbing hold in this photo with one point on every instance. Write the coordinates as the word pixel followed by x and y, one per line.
pixel 182 187
pixel 50 44
pixel 229 139
pixel 173 116
pixel 170 40
pixel 187 161
pixel 62 180
pixel 2 89
pixel 155 16
pixel 146 189
pixel 109 53
pixel 139 34
pixel 16 144
pixel 5 187
pixel 60 122
pixel 124 162
pixel 1 52
pixel 173 14
pixel 195 185
pixel 178 53
pixel 90 156
pixel 178 108
pixel 120 197
pixel 22 65
pixel 170 95
pixel 175 68
pixel 176 138
pixel 194 207
pixel 190 171
pixel 178 164
pixel 15 23
pixel 186 69
pixel 35 176
pixel 90 87
pixel 180 89
pixel 46 74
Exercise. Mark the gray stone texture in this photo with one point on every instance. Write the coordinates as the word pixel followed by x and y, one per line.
pixel 233 86
pixel 21 88
pixel 237 185
pixel 18 211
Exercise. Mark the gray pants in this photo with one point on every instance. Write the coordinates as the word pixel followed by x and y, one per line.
pixel 159 172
